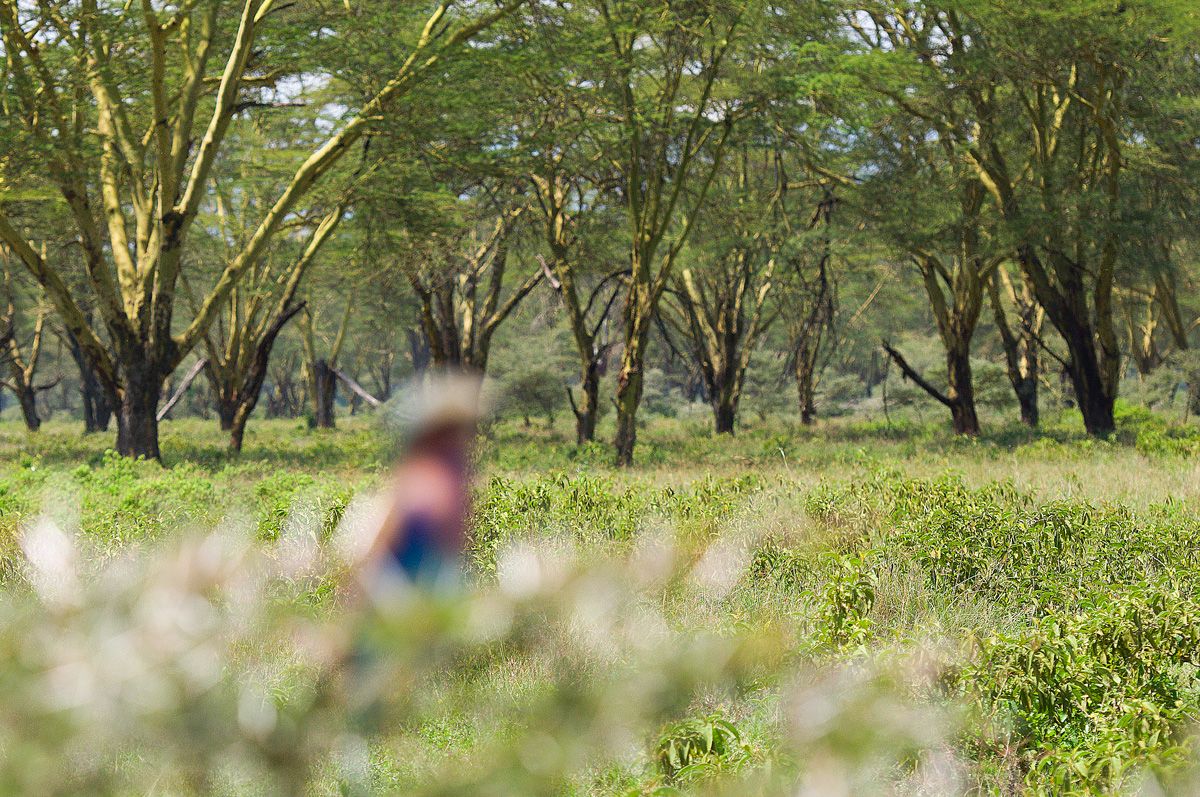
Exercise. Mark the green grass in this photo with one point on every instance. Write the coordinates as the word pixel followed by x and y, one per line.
pixel 1027 605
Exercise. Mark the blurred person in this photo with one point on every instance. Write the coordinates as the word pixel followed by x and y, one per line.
pixel 427 497
pixel 410 543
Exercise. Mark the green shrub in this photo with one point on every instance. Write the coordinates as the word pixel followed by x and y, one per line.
pixel 700 747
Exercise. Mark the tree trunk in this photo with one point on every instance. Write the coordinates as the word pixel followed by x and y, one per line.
pixel 226 410
pixel 137 422
pixel 1021 347
pixel 27 396
pixel 1193 397
pixel 808 408
pixel 961 391
pixel 245 398
pixel 97 409
pixel 1093 355
pixel 1028 364
pixel 724 414
pixel 805 386
pixel 631 376
pixel 237 427
pixel 1096 402
pixel 1143 343
pixel 725 390
pixel 722 383
pixel 325 386
pixel 1027 400
pixel 282 399
pixel 629 396
pixel 806 340
pixel 587 408
pixel 959 397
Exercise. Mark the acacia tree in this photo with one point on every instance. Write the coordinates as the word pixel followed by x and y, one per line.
pixel 927 202
pixel 559 198
pixel 130 108
pixel 954 278
pixel 460 283
pixel 663 65
pixel 809 296
pixel 566 204
pixel 1047 105
pixel 570 186
pixel 720 296
pixel 237 366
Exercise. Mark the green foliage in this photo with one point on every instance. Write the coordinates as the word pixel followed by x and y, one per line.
pixel 301 500
pixel 588 508
pixel 658 396
pixel 876 595
pixel 537 391
pixel 1096 693
pixel 700 747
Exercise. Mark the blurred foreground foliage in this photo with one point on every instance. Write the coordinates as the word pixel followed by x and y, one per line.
pixel 875 613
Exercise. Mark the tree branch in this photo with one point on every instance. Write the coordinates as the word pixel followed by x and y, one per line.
pixel 912 374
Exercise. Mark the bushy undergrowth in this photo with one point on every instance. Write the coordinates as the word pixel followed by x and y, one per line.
pixel 891 615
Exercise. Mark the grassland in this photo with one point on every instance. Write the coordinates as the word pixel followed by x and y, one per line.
pixel 854 609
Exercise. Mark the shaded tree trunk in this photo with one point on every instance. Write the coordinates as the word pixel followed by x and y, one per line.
pixel 23 360
pixel 808 326
pixel 226 409
pixel 1092 367
pixel 1061 287
pixel 284 399
pixel 242 402
pixel 324 394
pixel 27 398
pixel 725 412
pixel 137 410
pixel 806 342
pixel 97 409
pixel 640 306
pixel 961 391
pixel 629 396
pixel 805 373
pixel 586 407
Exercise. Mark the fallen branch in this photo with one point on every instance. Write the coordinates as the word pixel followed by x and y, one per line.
pixel 183 386
pixel 357 388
